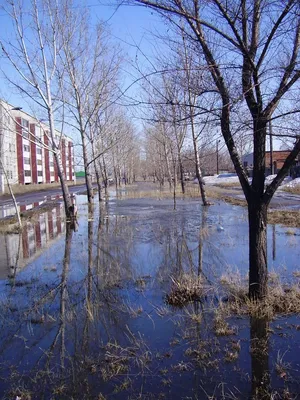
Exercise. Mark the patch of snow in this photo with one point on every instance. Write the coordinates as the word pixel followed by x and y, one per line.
pixel 222 178
pixel 292 183
pixel 270 178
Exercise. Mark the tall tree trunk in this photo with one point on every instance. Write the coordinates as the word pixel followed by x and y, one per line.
pixel 258 269
pixel 199 173
pixel 257 217
pixel 64 187
pixel 96 167
pixel 56 153
pixel 181 171
pixel 168 166
pixel 104 176
pixel 88 178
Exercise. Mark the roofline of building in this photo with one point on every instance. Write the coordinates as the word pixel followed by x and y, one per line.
pixel 32 117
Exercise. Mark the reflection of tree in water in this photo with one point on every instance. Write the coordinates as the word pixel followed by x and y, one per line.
pixel 186 253
pixel 86 339
pixel 77 317
pixel 260 358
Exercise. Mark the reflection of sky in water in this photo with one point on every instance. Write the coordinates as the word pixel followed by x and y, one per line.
pixel 144 238
pixel 149 237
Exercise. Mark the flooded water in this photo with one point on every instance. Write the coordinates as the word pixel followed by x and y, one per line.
pixel 84 313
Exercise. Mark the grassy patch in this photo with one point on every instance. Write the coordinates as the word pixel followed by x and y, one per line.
pixel 281 299
pixel 221 195
pixel 228 184
pixel 184 290
pixel 284 217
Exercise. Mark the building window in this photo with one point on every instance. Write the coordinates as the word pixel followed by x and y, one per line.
pixel 26 147
pixel 26 160
pixel 38 151
pixel 40 173
pixel 39 162
pixel 51 164
pixel 25 128
pixel 27 173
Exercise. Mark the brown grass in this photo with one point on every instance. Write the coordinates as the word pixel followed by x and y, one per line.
pixel 293 190
pixel 184 290
pixel 228 184
pixel 280 300
pixel 284 217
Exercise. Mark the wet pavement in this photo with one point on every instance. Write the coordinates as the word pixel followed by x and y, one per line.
pixel 28 201
pixel 84 312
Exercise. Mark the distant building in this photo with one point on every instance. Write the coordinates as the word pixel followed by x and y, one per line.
pixel 278 156
pixel 24 153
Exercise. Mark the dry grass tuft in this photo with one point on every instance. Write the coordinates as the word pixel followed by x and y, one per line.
pixel 221 327
pixel 279 300
pixel 184 290
pixel 231 356
pixel 20 394
pixel 119 359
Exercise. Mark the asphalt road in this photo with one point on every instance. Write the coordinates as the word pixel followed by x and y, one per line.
pixel 33 197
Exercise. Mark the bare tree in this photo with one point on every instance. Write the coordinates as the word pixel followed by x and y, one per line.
pixel 33 55
pixel 89 71
pixel 260 65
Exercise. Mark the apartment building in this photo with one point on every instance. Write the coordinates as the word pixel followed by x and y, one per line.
pixel 25 151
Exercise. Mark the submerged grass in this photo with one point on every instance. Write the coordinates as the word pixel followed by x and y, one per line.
pixel 280 300
pixel 232 295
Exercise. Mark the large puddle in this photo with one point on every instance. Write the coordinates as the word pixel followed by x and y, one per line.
pixel 84 315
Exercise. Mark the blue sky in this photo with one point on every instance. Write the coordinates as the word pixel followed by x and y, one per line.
pixel 129 26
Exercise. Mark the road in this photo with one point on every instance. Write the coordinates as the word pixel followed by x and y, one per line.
pixel 36 197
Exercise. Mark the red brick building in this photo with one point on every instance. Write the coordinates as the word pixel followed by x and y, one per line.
pixel 278 156
pixel 26 152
